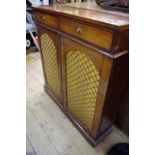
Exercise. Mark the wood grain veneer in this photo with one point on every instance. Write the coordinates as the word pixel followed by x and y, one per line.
pixel 99 37
pixel 46 19
pixel 92 60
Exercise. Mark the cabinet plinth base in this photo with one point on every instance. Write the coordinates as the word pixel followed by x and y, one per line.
pixel 91 141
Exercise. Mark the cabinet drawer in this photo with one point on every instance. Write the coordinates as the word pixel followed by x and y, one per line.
pixel 46 19
pixel 94 35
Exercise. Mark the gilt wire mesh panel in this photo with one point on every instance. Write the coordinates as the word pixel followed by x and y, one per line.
pixel 49 53
pixel 82 86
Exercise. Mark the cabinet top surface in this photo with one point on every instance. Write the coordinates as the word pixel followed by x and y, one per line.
pixel 91 12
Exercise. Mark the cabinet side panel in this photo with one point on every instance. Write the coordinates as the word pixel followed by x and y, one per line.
pixel 122 120
pixel 119 82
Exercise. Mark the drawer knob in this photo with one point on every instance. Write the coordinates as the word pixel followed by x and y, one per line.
pixel 79 30
pixel 43 18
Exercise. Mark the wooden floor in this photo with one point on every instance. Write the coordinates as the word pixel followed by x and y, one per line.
pixel 49 132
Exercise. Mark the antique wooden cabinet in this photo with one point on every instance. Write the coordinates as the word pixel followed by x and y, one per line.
pixel 85 62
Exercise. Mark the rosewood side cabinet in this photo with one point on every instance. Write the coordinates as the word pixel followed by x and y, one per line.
pixel 85 63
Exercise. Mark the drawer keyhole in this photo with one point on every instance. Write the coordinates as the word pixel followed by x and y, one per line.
pixel 79 30
pixel 43 19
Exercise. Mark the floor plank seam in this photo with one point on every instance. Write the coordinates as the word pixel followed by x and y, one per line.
pixel 31 145
pixel 44 131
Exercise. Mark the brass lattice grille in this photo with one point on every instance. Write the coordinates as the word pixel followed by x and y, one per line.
pixel 50 63
pixel 82 86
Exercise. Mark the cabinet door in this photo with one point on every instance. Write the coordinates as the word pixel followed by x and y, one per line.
pixel 83 88
pixel 49 52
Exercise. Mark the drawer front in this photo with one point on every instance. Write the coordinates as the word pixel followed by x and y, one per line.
pixel 46 19
pixel 94 35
